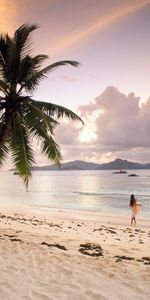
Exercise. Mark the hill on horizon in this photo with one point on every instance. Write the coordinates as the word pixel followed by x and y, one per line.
pixel 117 164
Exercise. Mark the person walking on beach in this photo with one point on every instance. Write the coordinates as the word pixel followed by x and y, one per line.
pixel 134 208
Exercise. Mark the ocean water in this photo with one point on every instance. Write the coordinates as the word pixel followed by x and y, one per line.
pixel 100 191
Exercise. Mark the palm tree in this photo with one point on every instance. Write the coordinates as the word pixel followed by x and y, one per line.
pixel 21 117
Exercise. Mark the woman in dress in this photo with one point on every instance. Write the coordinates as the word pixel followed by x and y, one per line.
pixel 134 208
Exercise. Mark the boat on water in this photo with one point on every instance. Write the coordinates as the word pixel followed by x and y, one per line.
pixel 133 175
pixel 15 173
pixel 120 172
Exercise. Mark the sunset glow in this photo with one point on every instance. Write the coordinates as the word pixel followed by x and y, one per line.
pixel 98 25
pixel 110 88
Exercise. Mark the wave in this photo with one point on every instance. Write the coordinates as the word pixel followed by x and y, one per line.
pixel 107 194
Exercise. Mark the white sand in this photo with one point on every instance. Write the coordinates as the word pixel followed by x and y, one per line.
pixel 32 270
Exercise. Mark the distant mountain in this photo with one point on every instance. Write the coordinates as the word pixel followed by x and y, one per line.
pixel 72 165
pixel 117 164
pixel 120 164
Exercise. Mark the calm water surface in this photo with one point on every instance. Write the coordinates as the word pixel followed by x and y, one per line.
pixel 100 191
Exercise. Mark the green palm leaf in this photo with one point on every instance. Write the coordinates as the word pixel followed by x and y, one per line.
pixel 3 153
pixel 33 81
pixel 21 118
pixel 21 39
pixel 22 153
pixel 35 117
pixel 51 149
pixel 42 129
pixel 4 87
pixel 5 43
pixel 38 60
pixel 56 110
pixel 18 49
pixel 29 66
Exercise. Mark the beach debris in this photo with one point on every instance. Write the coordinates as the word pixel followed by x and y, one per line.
pixel 146 260
pixel 127 230
pixel 107 229
pixel 123 257
pixel 139 230
pixel 2 216
pixel 10 235
pixel 54 245
pixel 13 238
pixel 111 231
pixel 139 260
pixel 91 249
pixel 97 229
pixel 16 240
pixel 27 221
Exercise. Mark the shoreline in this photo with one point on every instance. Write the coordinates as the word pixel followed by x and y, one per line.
pixel 61 213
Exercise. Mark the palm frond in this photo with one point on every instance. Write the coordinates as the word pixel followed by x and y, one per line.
pixel 3 49
pixel 5 43
pixel 58 64
pixel 21 38
pixel 51 149
pixel 38 60
pixel 25 69
pixel 35 117
pixel 5 125
pixel 33 81
pixel 18 50
pixel 22 153
pixel 57 111
pixel 41 126
pixel 4 87
pixel 3 153
pixel 29 66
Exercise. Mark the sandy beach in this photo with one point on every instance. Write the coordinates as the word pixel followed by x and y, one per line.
pixel 72 255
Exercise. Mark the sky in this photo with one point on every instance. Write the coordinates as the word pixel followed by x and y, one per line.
pixel 110 89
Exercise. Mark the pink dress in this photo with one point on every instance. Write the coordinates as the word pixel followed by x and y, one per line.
pixel 134 209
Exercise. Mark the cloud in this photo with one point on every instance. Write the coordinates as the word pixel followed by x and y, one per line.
pixel 67 133
pixel 124 123
pixel 123 127
pixel 119 124
pixel 120 128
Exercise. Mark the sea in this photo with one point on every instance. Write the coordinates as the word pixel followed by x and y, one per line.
pixel 98 190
